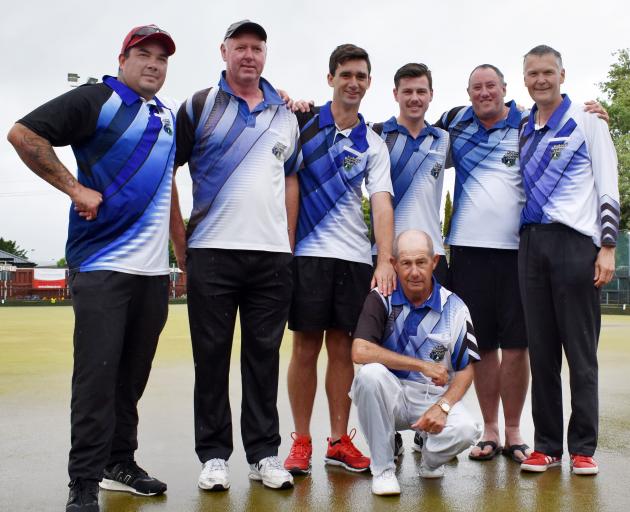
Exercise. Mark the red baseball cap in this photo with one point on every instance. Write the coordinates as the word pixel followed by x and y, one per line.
pixel 145 32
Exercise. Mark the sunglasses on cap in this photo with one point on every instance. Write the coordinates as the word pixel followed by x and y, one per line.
pixel 148 30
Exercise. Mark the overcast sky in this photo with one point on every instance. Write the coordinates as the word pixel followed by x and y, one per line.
pixel 41 41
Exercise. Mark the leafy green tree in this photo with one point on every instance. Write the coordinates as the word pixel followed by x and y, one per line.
pixel 367 214
pixel 12 247
pixel 448 213
pixel 617 102
pixel 61 263
pixel 171 252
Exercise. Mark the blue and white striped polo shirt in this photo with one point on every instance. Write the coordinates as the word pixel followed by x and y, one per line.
pixel 238 161
pixel 124 147
pixel 488 188
pixel 439 330
pixel 570 173
pixel 330 223
pixel 417 172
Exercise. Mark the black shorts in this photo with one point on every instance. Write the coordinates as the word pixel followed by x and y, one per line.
pixel 487 281
pixel 328 293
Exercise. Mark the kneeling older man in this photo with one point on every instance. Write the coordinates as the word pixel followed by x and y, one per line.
pixel 416 346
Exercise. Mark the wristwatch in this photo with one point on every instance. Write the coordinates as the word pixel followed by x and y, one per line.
pixel 444 405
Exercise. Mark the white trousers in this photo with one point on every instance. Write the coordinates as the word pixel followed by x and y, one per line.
pixel 387 404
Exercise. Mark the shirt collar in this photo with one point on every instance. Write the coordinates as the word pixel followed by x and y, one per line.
pixel 391 125
pixel 434 302
pixel 358 135
pixel 126 93
pixel 270 95
pixel 513 119
pixel 554 121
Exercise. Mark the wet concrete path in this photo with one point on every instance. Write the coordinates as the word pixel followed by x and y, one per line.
pixel 35 369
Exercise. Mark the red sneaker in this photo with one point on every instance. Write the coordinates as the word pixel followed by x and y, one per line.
pixel 539 462
pixel 343 453
pixel 299 460
pixel 583 465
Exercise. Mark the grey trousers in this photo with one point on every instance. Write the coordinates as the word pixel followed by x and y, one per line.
pixel 386 404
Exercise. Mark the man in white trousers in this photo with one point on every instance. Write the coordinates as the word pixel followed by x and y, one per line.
pixel 416 347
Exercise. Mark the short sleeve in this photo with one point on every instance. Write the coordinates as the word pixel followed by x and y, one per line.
pixel 373 318
pixel 71 118
pixel 465 350
pixel 378 177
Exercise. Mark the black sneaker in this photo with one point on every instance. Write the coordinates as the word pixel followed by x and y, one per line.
pixel 418 442
pixel 398 446
pixel 83 496
pixel 129 477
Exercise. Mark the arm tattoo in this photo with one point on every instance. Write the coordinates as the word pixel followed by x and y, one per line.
pixel 39 155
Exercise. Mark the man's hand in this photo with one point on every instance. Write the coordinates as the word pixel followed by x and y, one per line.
pixel 604 266
pixel 594 107
pixel 301 105
pixel 432 421
pixel 86 201
pixel 384 277
pixel 436 372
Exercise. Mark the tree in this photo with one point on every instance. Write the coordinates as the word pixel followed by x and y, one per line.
pixel 171 252
pixel 61 263
pixel 448 213
pixel 367 214
pixel 12 247
pixel 617 102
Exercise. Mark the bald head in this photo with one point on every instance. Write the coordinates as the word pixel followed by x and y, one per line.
pixel 414 262
pixel 413 240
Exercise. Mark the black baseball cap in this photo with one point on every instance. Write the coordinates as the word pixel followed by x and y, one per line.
pixel 245 26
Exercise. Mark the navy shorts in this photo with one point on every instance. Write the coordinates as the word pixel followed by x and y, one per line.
pixel 487 281
pixel 328 293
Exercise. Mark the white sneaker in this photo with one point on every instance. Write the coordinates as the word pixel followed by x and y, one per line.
pixel 215 475
pixel 271 472
pixel 385 484
pixel 425 472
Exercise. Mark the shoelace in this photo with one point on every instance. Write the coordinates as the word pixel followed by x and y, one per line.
pixel 215 465
pixel 133 468
pixel 346 441
pixel 272 463
pixel 299 448
pixel 386 475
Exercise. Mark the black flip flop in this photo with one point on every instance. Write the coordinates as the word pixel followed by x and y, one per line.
pixel 486 456
pixel 509 451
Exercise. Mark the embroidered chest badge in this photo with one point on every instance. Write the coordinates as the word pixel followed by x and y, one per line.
pixel 278 150
pixel 510 158
pixel 166 123
pixel 438 353
pixel 350 161
pixel 437 169
pixel 556 150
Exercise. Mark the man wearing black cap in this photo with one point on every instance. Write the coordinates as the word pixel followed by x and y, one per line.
pixel 241 146
pixel 123 140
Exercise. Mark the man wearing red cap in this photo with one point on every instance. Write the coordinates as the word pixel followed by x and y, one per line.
pixel 123 140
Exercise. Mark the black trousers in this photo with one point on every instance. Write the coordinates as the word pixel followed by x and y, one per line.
pixel 258 284
pixel 118 320
pixel 561 304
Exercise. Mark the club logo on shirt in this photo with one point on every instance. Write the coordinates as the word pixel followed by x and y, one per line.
pixel 438 353
pixel 350 161
pixel 437 169
pixel 510 158
pixel 278 150
pixel 556 150
pixel 166 123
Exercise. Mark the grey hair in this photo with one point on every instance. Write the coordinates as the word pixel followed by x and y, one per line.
pixel 542 50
